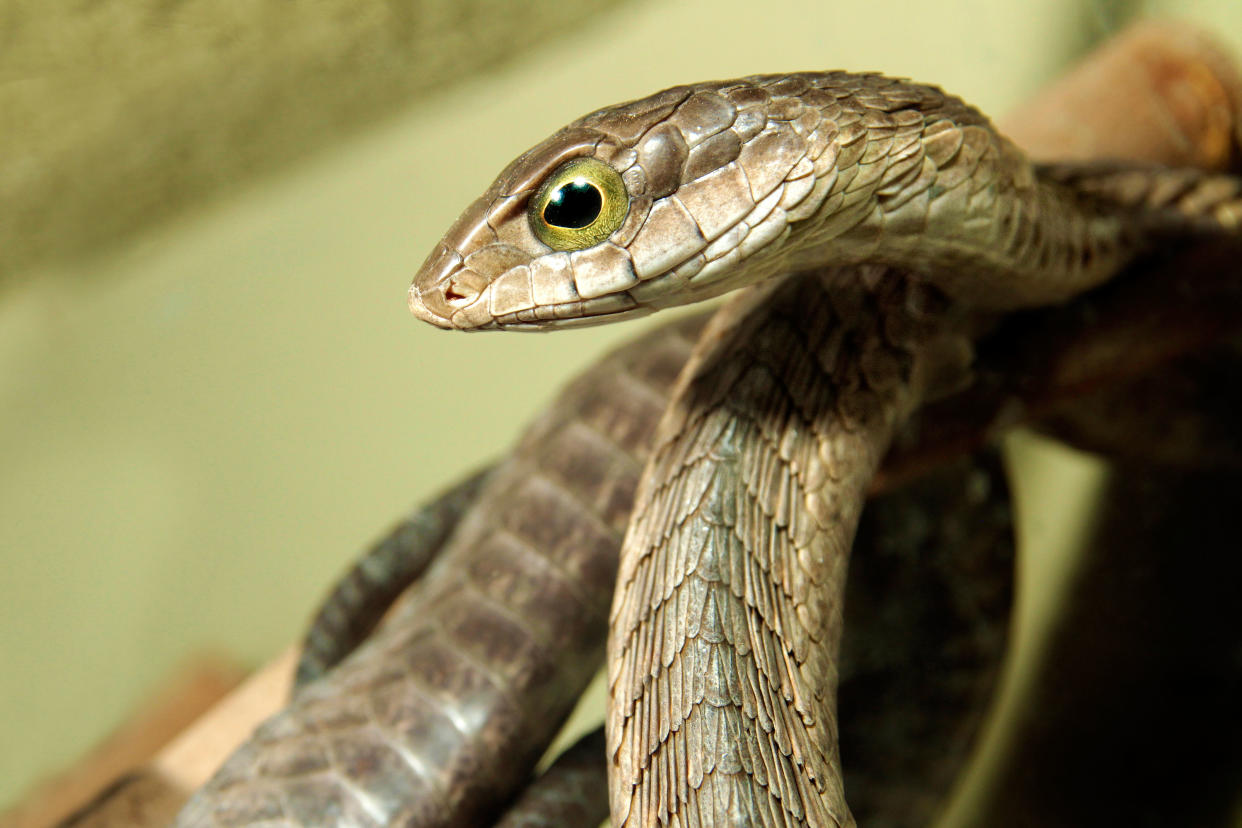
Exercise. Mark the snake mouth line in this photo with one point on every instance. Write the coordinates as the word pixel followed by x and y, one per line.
pixel 576 314
pixel 583 313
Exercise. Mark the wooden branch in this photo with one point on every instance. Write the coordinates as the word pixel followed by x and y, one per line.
pixel 1162 91
pixel 171 709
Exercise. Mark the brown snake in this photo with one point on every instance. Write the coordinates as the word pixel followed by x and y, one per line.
pixel 720 185
pixel 514 611
pixel 701 189
pixel 727 614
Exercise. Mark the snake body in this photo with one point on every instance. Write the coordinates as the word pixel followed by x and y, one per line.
pixel 725 184
pixel 440 715
pixel 328 758
pixel 728 611
pixel 722 654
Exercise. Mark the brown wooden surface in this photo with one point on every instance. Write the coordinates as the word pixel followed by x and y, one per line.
pixel 169 711
pixel 1174 79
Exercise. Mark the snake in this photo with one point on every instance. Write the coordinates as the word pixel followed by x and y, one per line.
pixel 874 222
pixel 701 189
pixel 888 191
pixel 380 731
pixel 359 599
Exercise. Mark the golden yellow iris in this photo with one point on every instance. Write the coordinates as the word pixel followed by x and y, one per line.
pixel 579 205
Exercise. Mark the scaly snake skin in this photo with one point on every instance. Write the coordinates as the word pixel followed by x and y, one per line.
pixel 728 611
pixel 726 619
pixel 730 183
pixel 1064 231
pixel 328 758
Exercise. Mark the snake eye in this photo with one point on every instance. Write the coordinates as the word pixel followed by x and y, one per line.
pixel 579 205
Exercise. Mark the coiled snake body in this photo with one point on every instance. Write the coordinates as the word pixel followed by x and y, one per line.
pixel 905 214
pixel 899 214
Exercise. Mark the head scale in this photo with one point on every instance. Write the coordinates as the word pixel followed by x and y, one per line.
pixel 626 210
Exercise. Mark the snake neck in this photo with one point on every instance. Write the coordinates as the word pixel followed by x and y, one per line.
pixel 1000 248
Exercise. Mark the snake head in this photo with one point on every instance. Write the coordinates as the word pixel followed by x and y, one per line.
pixel 534 249
pixel 644 205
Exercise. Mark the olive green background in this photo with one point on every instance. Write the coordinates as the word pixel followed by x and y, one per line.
pixel 206 414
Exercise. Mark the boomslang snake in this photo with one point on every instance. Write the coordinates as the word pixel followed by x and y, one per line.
pixel 438 717
pixel 908 218
pixel 776 427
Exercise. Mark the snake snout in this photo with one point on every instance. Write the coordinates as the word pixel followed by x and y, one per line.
pixel 444 288
pixel 423 310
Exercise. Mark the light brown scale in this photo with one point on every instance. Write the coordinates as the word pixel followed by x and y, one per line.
pixel 662 154
pixel 635 181
pixel 717 200
pixel 602 270
pixel 791 86
pixel 785 109
pixel 669 235
pixel 628 122
pixel 711 154
pixel 702 115
pixel 768 158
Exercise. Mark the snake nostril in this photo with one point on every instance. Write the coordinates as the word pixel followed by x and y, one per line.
pixel 456 293
pixel 463 287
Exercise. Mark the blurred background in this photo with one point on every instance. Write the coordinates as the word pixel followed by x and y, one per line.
pixel 211 393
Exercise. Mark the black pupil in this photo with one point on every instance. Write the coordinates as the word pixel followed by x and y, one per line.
pixel 573 205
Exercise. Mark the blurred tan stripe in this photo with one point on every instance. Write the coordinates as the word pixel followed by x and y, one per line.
pixel 193 756
pixel 150 796
pixel 116 114
pixel 1178 79
pixel 100 774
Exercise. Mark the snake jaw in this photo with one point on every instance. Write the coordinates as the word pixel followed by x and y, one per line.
pixel 452 296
